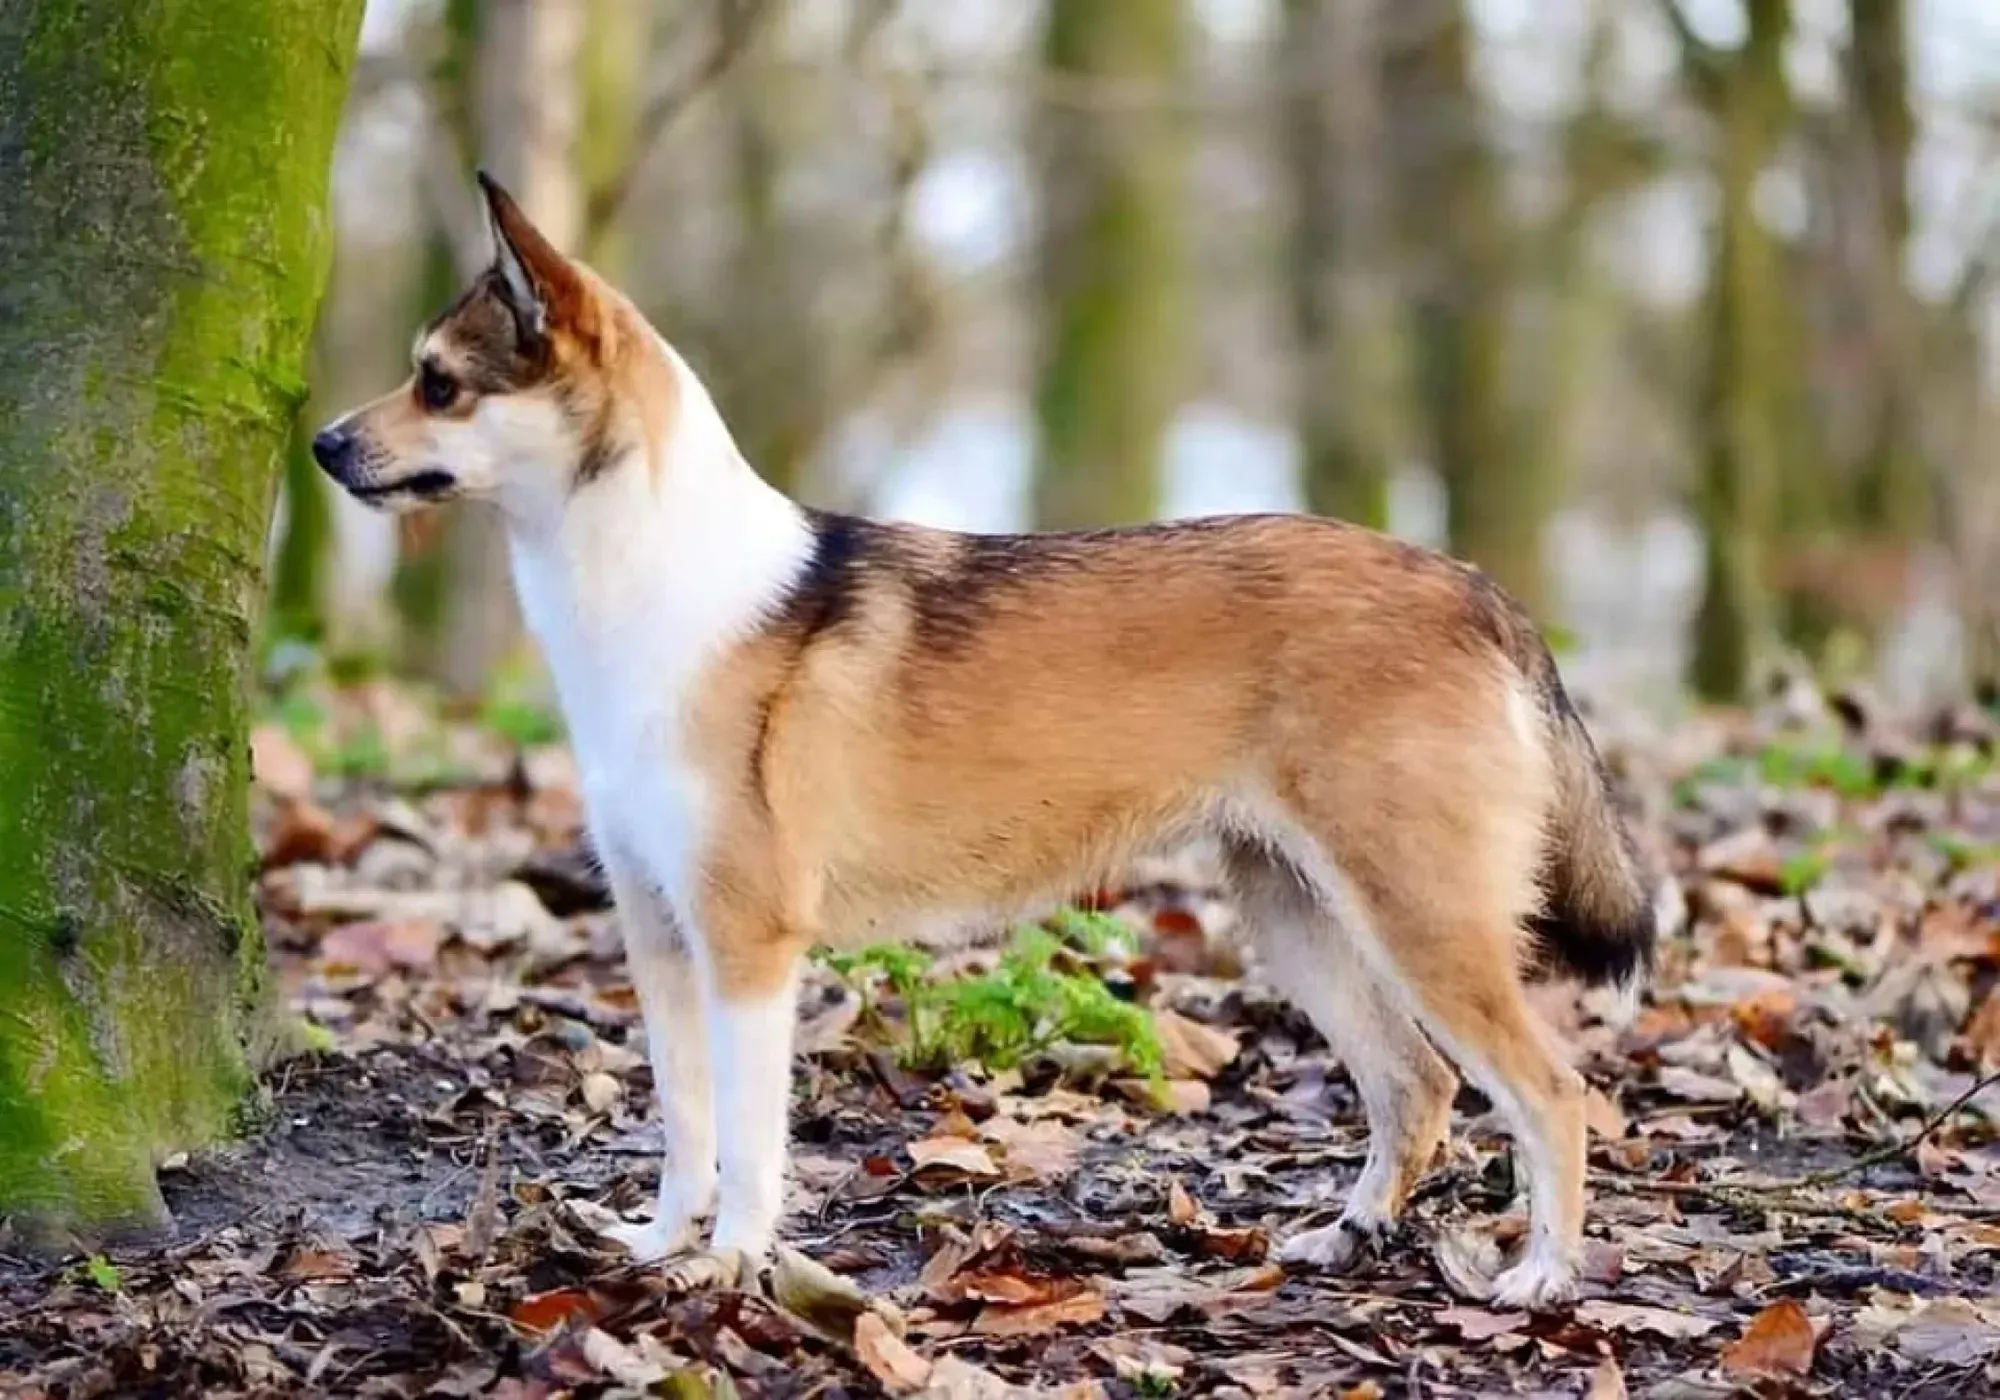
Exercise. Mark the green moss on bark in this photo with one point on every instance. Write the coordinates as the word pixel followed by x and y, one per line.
pixel 161 258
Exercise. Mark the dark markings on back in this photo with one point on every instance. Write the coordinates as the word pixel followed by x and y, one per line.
pixel 952 603
pixel 827 590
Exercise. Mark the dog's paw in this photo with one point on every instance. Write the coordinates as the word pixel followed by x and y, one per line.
pixel 1538 1283
pixel 654 1240
pixel 1334 1248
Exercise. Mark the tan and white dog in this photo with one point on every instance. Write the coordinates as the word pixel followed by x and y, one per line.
pixel 795 727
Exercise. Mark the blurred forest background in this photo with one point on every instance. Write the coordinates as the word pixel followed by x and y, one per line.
pixel 1677 315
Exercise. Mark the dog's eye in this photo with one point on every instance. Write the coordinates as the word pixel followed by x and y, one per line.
pixel 436 387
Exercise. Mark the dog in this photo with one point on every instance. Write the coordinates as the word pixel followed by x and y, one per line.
pixel 795 728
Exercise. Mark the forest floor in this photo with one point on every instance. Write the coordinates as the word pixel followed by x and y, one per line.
pixel 1795 1178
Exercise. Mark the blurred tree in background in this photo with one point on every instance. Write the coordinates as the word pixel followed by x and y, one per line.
pixel 1676 317
pixel 1111 258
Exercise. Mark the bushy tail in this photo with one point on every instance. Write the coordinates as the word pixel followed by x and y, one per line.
pixel 1598 923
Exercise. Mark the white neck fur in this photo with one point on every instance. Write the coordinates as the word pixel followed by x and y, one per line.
pixel 634 580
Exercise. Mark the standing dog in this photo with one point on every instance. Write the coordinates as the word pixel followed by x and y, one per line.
pixel 796 727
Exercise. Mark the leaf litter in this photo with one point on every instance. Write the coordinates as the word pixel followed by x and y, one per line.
pixel 1794 1171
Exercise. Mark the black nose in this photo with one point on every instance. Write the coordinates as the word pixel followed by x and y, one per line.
pixel 332 447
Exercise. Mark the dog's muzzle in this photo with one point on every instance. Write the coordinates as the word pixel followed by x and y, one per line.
pixel 337 451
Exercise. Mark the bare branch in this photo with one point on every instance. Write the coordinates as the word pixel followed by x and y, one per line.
pixel 738 22
pixel 1702 63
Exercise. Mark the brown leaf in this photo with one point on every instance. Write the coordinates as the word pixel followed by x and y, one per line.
pixel 1982 1030
pixel 816 1295
pixel 1766 1018
pixel 375 946
pixel 888 1357
pixel 1949 1332
pixel 1044 1150
pixel 1242 1245
pixel 1082 1308
pixel 317 1263
pixel 1778 1342
pixel 1632 1317
pixel 544 1312
pixel 1477 1324
pixel 1181 1207
pixel 302 833
pixel 1011 1285
pixel 1190 1049
pixel 959 1153
pixel 1607 1382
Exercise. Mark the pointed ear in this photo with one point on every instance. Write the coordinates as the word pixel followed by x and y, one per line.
pixel 541 285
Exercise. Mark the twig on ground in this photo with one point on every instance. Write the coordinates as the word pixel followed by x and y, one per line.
pixel 1903 1148
pixel 1783 1193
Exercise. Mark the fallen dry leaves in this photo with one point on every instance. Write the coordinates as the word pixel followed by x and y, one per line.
pixel 1788 1194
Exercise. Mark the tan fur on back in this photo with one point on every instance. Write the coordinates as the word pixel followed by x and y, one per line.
pixel 1129 689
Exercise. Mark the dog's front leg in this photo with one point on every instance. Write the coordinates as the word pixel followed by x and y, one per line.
pixel 750 961
pixel 751 1015
pixel 670 997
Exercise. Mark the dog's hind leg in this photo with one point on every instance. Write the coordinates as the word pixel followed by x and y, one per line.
pixel 1406 1087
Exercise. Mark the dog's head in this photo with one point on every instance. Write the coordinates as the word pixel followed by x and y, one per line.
pixel 532 383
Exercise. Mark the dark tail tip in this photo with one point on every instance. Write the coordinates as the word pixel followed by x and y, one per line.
pixel 1595 952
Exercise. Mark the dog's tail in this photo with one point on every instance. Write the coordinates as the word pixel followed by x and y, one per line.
pixel 1598 922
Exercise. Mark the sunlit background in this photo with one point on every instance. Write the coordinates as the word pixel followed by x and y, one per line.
pixel 1678 316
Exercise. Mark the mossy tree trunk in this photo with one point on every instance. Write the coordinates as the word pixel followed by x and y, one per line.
pixel 1455 227
pixel 162 250
pixel 1112 259
pixel 1742 399
pixel 1343 331
pixel 304 557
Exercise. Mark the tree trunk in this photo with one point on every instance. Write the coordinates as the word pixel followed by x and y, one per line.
pixel 1456 228
pixel 162 250
pixel 1112 259
pixel 1742 467
pixel 1326 70
pixel 1895 498
pixel 304 556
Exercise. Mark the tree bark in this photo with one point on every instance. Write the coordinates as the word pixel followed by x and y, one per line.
pixel 1895 500
pixel 1741 401
pixel 1455 226
pixel 1113 265
pixel 163 242
pixel 1343 331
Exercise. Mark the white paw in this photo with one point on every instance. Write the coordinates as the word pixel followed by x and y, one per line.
pixel 1538 1282
pixel 1334 1247
pixel 655 1239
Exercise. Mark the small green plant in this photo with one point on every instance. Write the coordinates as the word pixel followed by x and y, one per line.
pixel 1803 870
pixel 1043 991
pixel 1960 853
pixel 364 753
pixel 103 1273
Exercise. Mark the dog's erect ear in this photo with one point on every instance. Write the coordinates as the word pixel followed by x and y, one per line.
pixel 541 285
